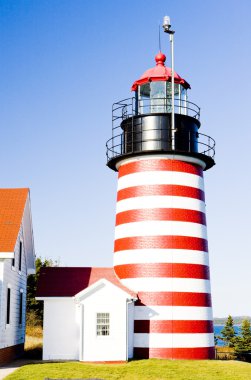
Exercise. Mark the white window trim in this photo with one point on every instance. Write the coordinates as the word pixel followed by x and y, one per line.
pixel 20 241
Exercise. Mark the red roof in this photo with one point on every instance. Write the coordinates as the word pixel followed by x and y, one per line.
pixel 12 204
pixel 159 73
pixel 68 281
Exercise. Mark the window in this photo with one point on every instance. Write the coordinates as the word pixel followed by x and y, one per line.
pixel 21 307
pixel 8 307
pixel 103 324
pixel 13 261
pixel 20 255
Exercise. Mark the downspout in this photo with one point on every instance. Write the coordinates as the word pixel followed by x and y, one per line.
pixel 79 310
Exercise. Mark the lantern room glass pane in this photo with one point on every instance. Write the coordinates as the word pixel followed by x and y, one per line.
pixel 144 96
pixel 169 89
pixel 183 101
pixel 158 97
pixel 145 91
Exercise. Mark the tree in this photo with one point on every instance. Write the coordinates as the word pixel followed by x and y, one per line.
pixel 228 333
pixel 216 340
pixel 243 342
pixel 34 308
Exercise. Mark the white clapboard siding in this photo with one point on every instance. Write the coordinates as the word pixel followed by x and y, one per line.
pixel 13 333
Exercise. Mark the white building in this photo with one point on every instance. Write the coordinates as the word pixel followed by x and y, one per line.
pixel 17 260
pixel 88 315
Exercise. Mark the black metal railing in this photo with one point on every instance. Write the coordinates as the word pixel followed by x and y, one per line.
pixel 131 107
pixel 145 125
pixel 159 140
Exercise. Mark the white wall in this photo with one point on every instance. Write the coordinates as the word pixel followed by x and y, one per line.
pixel 13 333
pixel 1 294
pixel 70 326
pixel 130 329
pixel 61 329
pixel 28 237
pixel 108 299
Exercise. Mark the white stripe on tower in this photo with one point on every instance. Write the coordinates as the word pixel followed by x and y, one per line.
pixel 162 201
pixel 144 256
pixel 161 253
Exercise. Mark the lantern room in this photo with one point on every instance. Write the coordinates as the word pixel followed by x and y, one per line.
pixel 153 91
pixel 143 123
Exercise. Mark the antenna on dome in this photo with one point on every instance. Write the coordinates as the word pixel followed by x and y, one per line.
pixel 167 29
pixel 159 39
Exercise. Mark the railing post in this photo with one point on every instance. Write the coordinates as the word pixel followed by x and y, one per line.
pixel 132 131
pixel 112 124
pixel 179 100
pixel 185 102
pixel 136 103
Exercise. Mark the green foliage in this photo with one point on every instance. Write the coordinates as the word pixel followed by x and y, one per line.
pixel 150 369
pixel 242 343
pixel 228 333
pixel 34 308
pixel 215 340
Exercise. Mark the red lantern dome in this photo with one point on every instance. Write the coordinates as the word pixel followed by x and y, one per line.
pixel 159 73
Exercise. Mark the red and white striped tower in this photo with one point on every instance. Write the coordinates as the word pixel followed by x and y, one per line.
pixel 161 249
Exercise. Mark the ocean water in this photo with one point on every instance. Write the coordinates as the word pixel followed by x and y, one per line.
pixel 217 331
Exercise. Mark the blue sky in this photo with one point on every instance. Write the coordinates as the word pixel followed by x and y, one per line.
pixel 63 64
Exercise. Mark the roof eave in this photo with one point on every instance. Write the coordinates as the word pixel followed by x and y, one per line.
pixel 98 285
pixel 6 255
pixel 167 78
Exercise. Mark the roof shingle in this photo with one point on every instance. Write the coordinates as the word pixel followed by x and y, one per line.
pixel 68 281
pixel 12 204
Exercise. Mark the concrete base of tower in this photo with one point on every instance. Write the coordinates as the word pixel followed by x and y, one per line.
pixel 200 353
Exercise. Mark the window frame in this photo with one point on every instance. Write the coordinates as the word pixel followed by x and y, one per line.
pixel 20 256
pixel 13 262
pixel 21 304
pixel 103 324
pixel 8 302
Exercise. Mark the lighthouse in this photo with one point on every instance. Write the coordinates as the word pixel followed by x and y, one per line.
pixel 161 246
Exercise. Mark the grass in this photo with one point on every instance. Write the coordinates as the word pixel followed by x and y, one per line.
pixel 33 342
pixel 152 369
pixel 225 353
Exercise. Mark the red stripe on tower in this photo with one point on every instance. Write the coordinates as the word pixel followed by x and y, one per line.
pixel 169 242
pixel 178 327
pixel 195 353
pixel 159 165
pixel 160 214
pixel 162 270
pixel 168 190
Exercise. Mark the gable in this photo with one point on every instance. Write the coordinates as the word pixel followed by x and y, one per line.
pixel 101 285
